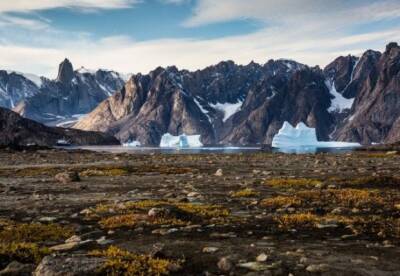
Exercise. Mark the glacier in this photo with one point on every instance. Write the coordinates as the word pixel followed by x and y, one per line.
pixel 181 141
pixel 303 136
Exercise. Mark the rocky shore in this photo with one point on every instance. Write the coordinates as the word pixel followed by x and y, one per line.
pixel 84 213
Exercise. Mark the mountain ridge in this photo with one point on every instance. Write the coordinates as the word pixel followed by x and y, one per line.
pixel 227 103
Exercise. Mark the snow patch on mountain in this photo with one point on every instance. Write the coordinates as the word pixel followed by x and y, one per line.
pixel 33 78
pixel 228 109
pixel 339 103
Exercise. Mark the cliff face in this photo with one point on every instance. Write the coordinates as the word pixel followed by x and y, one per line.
pixel 375 114
pixel 18 131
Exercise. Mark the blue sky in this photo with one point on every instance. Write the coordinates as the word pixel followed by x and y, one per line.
pixel 139 35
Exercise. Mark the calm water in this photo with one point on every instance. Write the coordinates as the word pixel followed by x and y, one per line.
pixel 147 150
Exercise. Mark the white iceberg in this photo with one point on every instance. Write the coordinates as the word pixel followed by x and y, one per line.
pixel 132 144
pixel 303 136
pixel 181 141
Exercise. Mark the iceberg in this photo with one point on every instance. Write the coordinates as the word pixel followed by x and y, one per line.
pixel 303 136
pixel 181 141
pixel 132 144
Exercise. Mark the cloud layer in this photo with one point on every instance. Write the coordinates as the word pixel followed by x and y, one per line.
pixel 310 31
pixel 35 5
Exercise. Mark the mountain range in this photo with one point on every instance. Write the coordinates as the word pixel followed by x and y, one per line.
pixel 354 99
pixel 60 101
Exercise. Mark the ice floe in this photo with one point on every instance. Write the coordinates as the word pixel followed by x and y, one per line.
pixel 181 141
pixel 303 136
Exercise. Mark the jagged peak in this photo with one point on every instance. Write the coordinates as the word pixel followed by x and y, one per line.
pixel 391 46
pixel 65 72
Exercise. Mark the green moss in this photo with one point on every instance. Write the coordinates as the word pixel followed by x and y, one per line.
pixel 34 232
pixel 292 182
pixel 301 220
pixel 245 193
pixel 22 252
pixel 368 181
pixel 122 262
pixel 106 171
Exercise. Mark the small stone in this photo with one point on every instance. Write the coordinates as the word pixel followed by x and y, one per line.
pixel 72 246
pixel 193 194
pixel 67 177
pixel 74 238
pixel 219 172
pixel 326 225
pixel 210 249
pixel 319 186
pixel 341 211
pixel 262 257
pixel 164 231
pixel 317 268
pixel 104 241
pixel 254 266
pixel 47 219
pixel 225 264
pixel 86 212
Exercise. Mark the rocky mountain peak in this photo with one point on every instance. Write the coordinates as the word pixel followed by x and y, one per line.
pixel 392 45
pixel 65 72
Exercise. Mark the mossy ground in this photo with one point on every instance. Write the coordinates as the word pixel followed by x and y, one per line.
pixel 122 262
pixel 343 210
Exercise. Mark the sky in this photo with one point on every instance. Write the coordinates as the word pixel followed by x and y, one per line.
pixel 132 36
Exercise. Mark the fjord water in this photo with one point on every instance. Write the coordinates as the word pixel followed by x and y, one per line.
pixel 210 150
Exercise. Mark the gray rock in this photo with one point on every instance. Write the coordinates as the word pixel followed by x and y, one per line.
pixel 75 265
pixel 317 268
pixel 219 172
pixel 67 177
pixel 224 264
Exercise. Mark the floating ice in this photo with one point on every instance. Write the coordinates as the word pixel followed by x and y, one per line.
pixel 303 136
pixel 181 141
pixel 132 144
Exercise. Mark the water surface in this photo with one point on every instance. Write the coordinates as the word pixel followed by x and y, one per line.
pixel 205 150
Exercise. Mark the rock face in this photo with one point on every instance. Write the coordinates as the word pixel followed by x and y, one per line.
pixel 73 93
pixel 226 103
pixel 16 130
pixel 375 114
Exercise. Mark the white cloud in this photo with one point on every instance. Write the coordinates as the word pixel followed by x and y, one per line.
pixel 309 31
pixel 35 5
pixel 29 24
pixel 125 55
pixel 300 12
